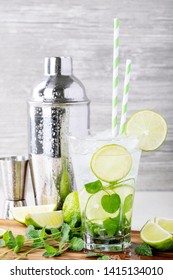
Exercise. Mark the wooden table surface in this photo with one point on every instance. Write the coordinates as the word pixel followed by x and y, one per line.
pixel 18 228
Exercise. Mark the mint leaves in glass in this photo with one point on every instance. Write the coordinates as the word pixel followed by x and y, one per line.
pixel 105 176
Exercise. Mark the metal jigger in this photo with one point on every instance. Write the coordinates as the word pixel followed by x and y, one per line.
pixel 13 177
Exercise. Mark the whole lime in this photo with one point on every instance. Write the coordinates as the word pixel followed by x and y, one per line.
pixel 71 207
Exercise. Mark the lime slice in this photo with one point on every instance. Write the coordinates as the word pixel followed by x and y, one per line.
pixel 123 191
pixel 49 220
pixel 166 224
pixel 111 163
pixel 94 209
pixel 19 213
pixel 149 128
pixel 156 236
pixel 2 231
pixel 71 207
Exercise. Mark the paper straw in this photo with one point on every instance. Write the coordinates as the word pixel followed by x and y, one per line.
pixel 115 78
pixel 125 97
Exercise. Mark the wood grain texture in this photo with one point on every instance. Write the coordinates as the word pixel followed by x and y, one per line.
pixel 31 30
pixel 130 254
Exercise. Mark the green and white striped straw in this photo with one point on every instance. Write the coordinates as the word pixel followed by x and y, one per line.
pixel 115 78
pixel 125 96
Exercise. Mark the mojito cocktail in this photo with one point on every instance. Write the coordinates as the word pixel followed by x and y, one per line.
pixel 105 175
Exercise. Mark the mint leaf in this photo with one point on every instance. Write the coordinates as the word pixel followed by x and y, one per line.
pixel 104 257
pixel 31 232
pixel 20 239
pixel 56 233
pixel 111 225
pixel 9 239
pixel 128 203
pixel 144 249
pixel 94 254
pixel 74 220
pixel 100 256
pixel 65 233
pixel 76 244
pixel 50 251
pixel 93 187
pixel 111 203
pixel 42 233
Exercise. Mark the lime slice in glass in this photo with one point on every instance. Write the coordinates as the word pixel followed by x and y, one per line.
pixel 166 224
pixel 123 190
pixel 2 231
pixel 149 128
pixel 94 209
pixel 156 236
pixel 49 219
pixel 19 213
pixel 111 163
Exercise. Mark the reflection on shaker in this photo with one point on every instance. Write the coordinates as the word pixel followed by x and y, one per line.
pixel 58 107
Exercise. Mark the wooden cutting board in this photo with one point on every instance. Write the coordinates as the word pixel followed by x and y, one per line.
pixel 18 228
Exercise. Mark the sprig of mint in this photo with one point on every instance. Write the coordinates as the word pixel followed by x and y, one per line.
pixel 55 242
pixel 144 250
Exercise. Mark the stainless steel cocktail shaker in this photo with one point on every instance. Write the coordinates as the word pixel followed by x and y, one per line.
pixel 59 106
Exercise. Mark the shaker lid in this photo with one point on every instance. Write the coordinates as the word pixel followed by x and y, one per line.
pixel 58 65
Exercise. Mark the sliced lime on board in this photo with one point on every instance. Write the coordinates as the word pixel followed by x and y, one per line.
pixel 48 220
pixel 149 127
pixel 111 163
pixel 156 236
pixel 19 213
pixel 166 224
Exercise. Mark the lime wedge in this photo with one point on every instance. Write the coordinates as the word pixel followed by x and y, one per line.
pixel 156 236
pixel 48 219
pixel 2 231
pixel 111 163
pixel 19 213
pixel 94 209
pixel 149 128
pixel 166 224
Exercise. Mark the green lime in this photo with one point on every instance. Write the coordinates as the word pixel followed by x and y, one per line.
pixel 71 207
pixel 149 128
pixel 2 231
pixel 49 220
pixel 111 163
pixel 156 236
pixel 166 224
pixel 19 213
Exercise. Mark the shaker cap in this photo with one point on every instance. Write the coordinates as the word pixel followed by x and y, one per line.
pixel 58 65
